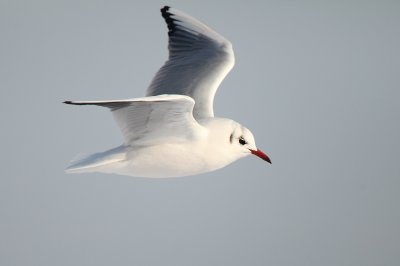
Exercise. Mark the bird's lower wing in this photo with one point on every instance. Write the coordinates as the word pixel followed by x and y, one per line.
pixel 153 119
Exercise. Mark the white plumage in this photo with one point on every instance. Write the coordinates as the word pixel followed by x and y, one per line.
pixel 173 131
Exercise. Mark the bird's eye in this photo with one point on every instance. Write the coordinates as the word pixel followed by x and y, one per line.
pixel 242 141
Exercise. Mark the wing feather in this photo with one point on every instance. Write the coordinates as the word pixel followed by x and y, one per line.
pixel 154 119
pixel 199 59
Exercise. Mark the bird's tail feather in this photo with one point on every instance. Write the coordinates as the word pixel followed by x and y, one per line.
pixel 94 162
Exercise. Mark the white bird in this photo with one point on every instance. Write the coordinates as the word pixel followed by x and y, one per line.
pixel 172 131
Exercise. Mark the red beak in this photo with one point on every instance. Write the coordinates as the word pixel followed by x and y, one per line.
pixel 262 155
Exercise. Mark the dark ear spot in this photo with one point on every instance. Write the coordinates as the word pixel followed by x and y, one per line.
pixel 231 138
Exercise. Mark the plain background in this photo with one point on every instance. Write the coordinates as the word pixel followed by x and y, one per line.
pixel 317 82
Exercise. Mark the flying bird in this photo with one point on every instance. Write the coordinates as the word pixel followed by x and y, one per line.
pixel 172 131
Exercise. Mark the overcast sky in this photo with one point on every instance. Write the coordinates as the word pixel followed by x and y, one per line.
pixel 317 82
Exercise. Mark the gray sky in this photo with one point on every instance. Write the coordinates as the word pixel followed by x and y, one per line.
pixel 317 82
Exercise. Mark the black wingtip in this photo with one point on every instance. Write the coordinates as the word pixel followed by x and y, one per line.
pixel 165 9
pixel 74 103
pixel 167 17
pixel 164 12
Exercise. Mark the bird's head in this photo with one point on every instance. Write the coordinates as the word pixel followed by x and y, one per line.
pixel 235 140
pixel 242 140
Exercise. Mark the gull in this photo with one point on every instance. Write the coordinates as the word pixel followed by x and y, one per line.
pixel 172 132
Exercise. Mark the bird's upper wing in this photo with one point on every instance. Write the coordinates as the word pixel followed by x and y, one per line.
pixel 154 119
pixel 199 59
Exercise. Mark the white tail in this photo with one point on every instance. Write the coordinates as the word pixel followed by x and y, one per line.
pixel 92 162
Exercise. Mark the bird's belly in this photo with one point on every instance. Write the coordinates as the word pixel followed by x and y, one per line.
pixel 168 160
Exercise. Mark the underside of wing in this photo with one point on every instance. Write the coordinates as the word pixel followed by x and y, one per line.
pixel 149 120
pixel 199 59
